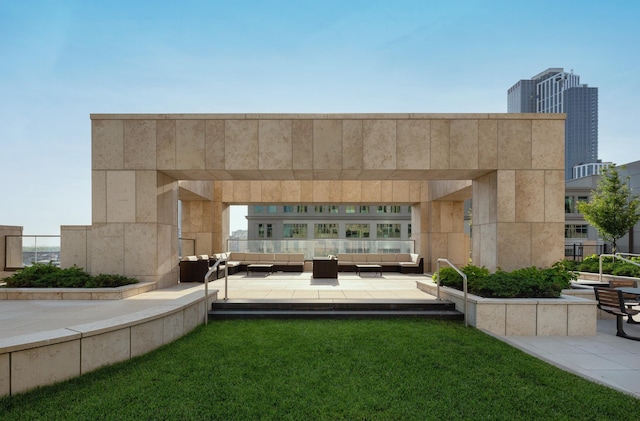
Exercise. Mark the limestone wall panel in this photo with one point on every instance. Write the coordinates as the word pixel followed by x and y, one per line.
pixel 529 196
pixel 74 246
pixel 548 243
pixel 275 144
pixel 140 144
pixel 291 191
pixel 190 154
pixel 242 191
pixel 302 140
pixel 547 151
pixel 414 144
pixel 166 144
pixel 98 197
pixel 352 144
pixel 379 144
pixel 271 192
pixel 241 145
pixel 327 144
pixel 104 349
pixel 351 191
pixel 401 191
pixel 107 145
pixel 255 190
pixel 463 139
pixel 44 365
pixel 514 144
pixel 415 191
pixel 146 337
pixel 440 155
pixel 146 196
pixel 487 144
pixel 140 249
pixel 306 191
pixel 121 193
pixel 214 144
pixel 371 191
pixel 521 320
pixel 173 327
pixel 5 375
pixel 514 245
pixel 107 240
pixel 506 196
pixel 552 319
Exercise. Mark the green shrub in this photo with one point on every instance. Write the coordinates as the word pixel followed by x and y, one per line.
pixel 528 282
pixel 618 267
pixel 41 275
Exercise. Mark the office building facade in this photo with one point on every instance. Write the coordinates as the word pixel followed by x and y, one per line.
pixel 557 91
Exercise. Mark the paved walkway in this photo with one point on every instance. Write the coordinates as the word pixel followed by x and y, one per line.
pixel 603 358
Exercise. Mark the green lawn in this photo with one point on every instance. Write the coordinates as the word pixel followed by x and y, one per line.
pixel 327 370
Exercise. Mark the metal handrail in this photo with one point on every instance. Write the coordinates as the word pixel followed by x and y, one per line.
pixel 619 256
pixel 207 279
pixel 464 284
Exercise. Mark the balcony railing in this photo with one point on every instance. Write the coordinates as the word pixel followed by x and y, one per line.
pixel 25 250
pixel 321 247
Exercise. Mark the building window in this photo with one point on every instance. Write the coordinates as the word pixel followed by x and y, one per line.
pixel 575 231
pixel 271 209
pixel 287 209
pixel 409 230
pixel 388 231
pixel 325 231
pixel 258 209
pixel 334 209
pixel 357 230
pixel 265 230
pixel 295 231
pixel 350 209
pixel 319 209
pixel 571 203
pixel 364 209
pixel 389 209
pixel 301 209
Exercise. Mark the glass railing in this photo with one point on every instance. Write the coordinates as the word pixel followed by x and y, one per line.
pixel 321 248
pixel 25 250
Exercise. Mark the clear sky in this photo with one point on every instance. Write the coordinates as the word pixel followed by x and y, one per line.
pixel 62 60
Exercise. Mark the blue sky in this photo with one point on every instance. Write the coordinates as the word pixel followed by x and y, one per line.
pixel 63 60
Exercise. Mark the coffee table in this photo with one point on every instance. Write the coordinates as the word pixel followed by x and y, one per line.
pixel 368 268
pixel 260 267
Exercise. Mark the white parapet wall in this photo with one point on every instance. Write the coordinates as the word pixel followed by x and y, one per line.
pixel 565 316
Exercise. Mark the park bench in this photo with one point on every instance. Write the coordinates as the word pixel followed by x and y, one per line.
pixel 612 301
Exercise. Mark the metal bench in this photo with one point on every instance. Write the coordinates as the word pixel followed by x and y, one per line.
pixel 612 301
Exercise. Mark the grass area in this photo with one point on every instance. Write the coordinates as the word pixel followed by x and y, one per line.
pixel 327 370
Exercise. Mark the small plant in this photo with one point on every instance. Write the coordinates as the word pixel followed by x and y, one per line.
pixel 41 275
pixel 528 282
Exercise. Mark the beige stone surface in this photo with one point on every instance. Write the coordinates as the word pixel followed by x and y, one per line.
pixel 241 145
pixel 190 152
pixel 491 317
pixel 505 197
pixel 352 144
pixel 582 320
pixel 107 145
pixel 140 144
pixel 514 245
pixel 552 319
pixel 521 319
pixel 107 241
pixel 275 145
pixel 44 365
pixel 74 246
pixel 488 144
pixel 146 337
pixel 104 349
pixel 214 144
pixel 98 197
pixel 327 144
pixel 547 144
pixel 173 326
pixel 414 144
pixel 140 249
pixel 5 374
pixel 379 144
pixel 302 142
pixel 193 316
pixel 463 144
pixel 440 153
pixel 530 193
pixel 547 244
pixel 514 144
pixel 121 193
pixel 351 191
pixel 146 196
pixel 554 196
pixel 166 144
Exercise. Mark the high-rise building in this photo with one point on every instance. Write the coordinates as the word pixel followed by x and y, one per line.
pixel 557 91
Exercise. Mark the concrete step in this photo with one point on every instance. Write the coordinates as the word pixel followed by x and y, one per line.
pixel 338 309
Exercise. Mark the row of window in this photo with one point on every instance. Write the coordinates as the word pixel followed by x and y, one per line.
pixel 575 231
pixel 571 203
pixel 329 230
pixel 330 209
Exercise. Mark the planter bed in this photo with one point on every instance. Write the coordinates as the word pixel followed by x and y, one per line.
pixel 568 315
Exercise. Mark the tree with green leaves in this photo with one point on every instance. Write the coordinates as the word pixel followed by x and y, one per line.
pixel 612 209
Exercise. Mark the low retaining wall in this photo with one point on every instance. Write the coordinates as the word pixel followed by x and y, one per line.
pixel 564 316
pixel 118 293
pixel 44 358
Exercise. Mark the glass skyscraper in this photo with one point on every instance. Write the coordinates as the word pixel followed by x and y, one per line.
pixel 557 91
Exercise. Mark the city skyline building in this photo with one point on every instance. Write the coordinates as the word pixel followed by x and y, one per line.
pixel 557 91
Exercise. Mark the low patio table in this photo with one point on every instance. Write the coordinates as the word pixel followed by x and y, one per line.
pixel 368 268
pixel 260 267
